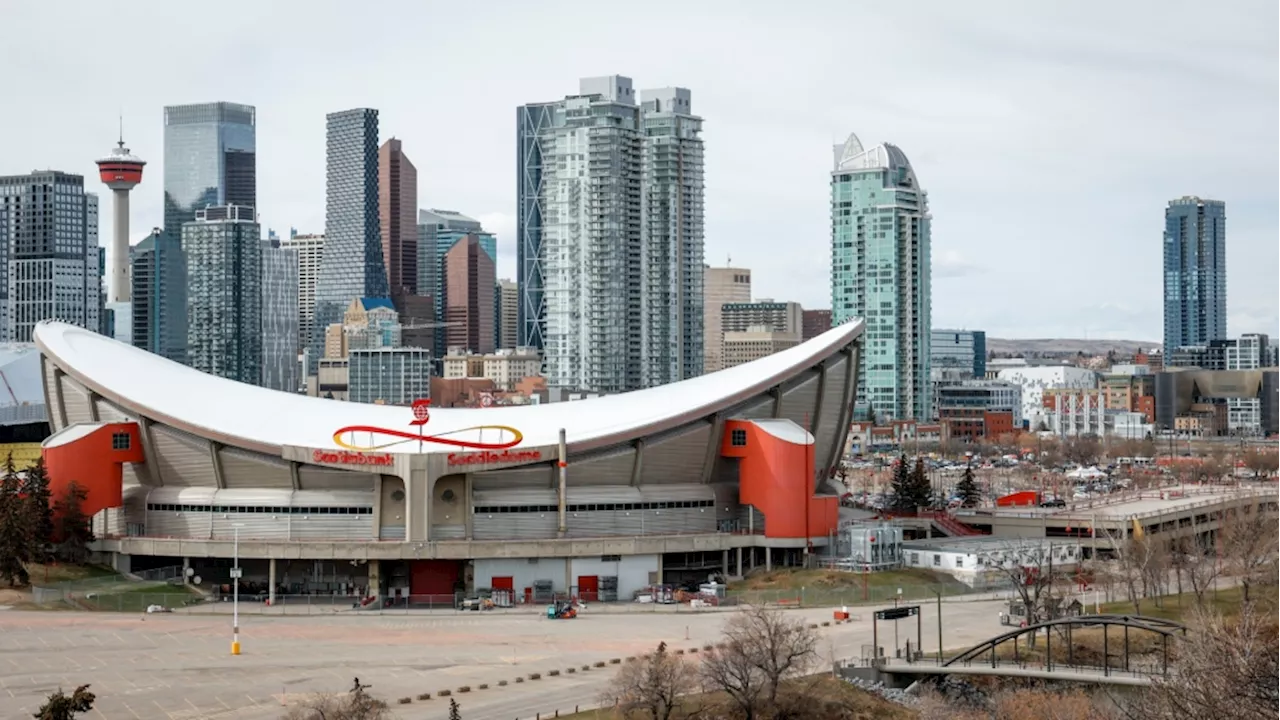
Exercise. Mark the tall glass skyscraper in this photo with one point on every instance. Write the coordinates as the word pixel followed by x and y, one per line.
pixel 438 232
pixel 223 250
pixel 1195 272
pixel 880 271
pixel 210 158
pixel 352 265
pixel 280 318
pixel 609 246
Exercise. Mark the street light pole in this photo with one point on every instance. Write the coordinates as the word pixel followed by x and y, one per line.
pixel 235 592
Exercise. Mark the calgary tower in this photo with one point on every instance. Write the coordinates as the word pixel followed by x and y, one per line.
pixel 120 171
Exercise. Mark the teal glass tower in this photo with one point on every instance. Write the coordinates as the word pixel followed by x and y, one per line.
pixel 880 272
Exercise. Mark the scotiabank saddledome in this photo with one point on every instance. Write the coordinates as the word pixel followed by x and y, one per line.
pixel 691 474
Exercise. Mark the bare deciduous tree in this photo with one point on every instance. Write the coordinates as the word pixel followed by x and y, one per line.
pixel 1249 542
pixel 651 686
pixel 1228 670
pixel 355 705
pixel 1027 566
pixel 761 649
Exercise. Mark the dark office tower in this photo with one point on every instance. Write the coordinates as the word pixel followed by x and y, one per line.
pixel 352 265
pixel 223 249
pixel 210 152
pixel 160 296
pixel 469 283
pixel 50 268
pixel 398 216
pixel 1195 272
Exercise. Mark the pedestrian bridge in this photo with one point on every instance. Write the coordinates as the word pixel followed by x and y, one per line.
pixel 1119 667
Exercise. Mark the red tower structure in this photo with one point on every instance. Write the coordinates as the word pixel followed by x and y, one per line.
pixel 120 171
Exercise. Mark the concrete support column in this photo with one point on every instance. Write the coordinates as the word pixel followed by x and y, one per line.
pixel 375 581
pixel 740 562
pixel 659 568
pixel 121 563
pixel 186 565
pixel 768 559
pixel 271 582
pixel 724 564
pixel 568 576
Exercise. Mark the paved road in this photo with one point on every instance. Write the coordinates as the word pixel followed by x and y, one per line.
pixel 179 667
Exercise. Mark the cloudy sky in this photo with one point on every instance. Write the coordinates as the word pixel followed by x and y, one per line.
pixel 1049 135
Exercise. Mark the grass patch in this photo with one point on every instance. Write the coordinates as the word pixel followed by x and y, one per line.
pixel 45 575
pixel 840 701
pixel 834 587
pixel 138 599
pixel 1225 601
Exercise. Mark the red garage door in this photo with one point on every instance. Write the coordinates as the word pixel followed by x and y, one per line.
pixel 434 578
pixel 589 588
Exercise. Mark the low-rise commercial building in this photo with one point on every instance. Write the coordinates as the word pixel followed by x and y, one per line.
pixel 973 409
pixel 505 367
pixel 1072 412
pixel 755 342
pixel 389 376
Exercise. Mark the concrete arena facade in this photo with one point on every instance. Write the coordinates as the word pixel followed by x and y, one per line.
pixel 651 482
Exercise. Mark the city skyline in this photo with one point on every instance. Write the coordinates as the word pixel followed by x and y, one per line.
pixel 927 106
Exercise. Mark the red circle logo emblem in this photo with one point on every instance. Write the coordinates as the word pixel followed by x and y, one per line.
pixel 421 412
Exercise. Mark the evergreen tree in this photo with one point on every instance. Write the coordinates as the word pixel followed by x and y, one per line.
pixel 900 498
pixel 967 489
pixel 15 545
pixel 921 489
pixel 454 712
pixel 73 530
pixel 39 511
pixel 66 707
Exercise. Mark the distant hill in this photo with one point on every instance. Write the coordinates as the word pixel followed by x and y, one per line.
pixel 1042 347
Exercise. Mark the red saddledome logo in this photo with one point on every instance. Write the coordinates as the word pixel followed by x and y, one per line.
pixel 494 449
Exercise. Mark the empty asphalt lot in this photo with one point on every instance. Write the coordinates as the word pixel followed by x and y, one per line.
pixel 180 667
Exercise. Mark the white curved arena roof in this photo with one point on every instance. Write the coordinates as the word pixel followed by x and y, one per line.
pixel 245 415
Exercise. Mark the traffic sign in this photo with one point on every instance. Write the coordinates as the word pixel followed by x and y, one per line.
pixel 898 613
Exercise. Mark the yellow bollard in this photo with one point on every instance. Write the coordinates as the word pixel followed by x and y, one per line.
pixel 235 647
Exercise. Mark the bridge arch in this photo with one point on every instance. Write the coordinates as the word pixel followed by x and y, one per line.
pixel 1166 629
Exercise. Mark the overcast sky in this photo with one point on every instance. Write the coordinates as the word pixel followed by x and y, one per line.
pixel 1049 136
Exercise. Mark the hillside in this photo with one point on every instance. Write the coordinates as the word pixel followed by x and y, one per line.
pixel 1066 346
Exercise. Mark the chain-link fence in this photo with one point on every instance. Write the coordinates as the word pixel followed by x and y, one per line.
pixel 81 593
pixel 868 594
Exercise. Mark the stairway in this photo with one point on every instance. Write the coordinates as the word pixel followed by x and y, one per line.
pixel 951 526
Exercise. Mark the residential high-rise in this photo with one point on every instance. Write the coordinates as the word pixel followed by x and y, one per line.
pixel 210 158
pixel 310 249
pixel 671 220
pixel 49 265
pixel 814 323
pixel 280 318
pixel 720 286
pixel 1248 352
pixel 223 250
pixel 508 314
pixel 351 265
pixel 397 216
pixel 160 296
pixel 609 196
pixel 1195 272
pixel 880 272
pixel 469 292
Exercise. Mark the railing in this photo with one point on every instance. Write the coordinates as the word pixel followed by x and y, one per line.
pixel 1140 669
